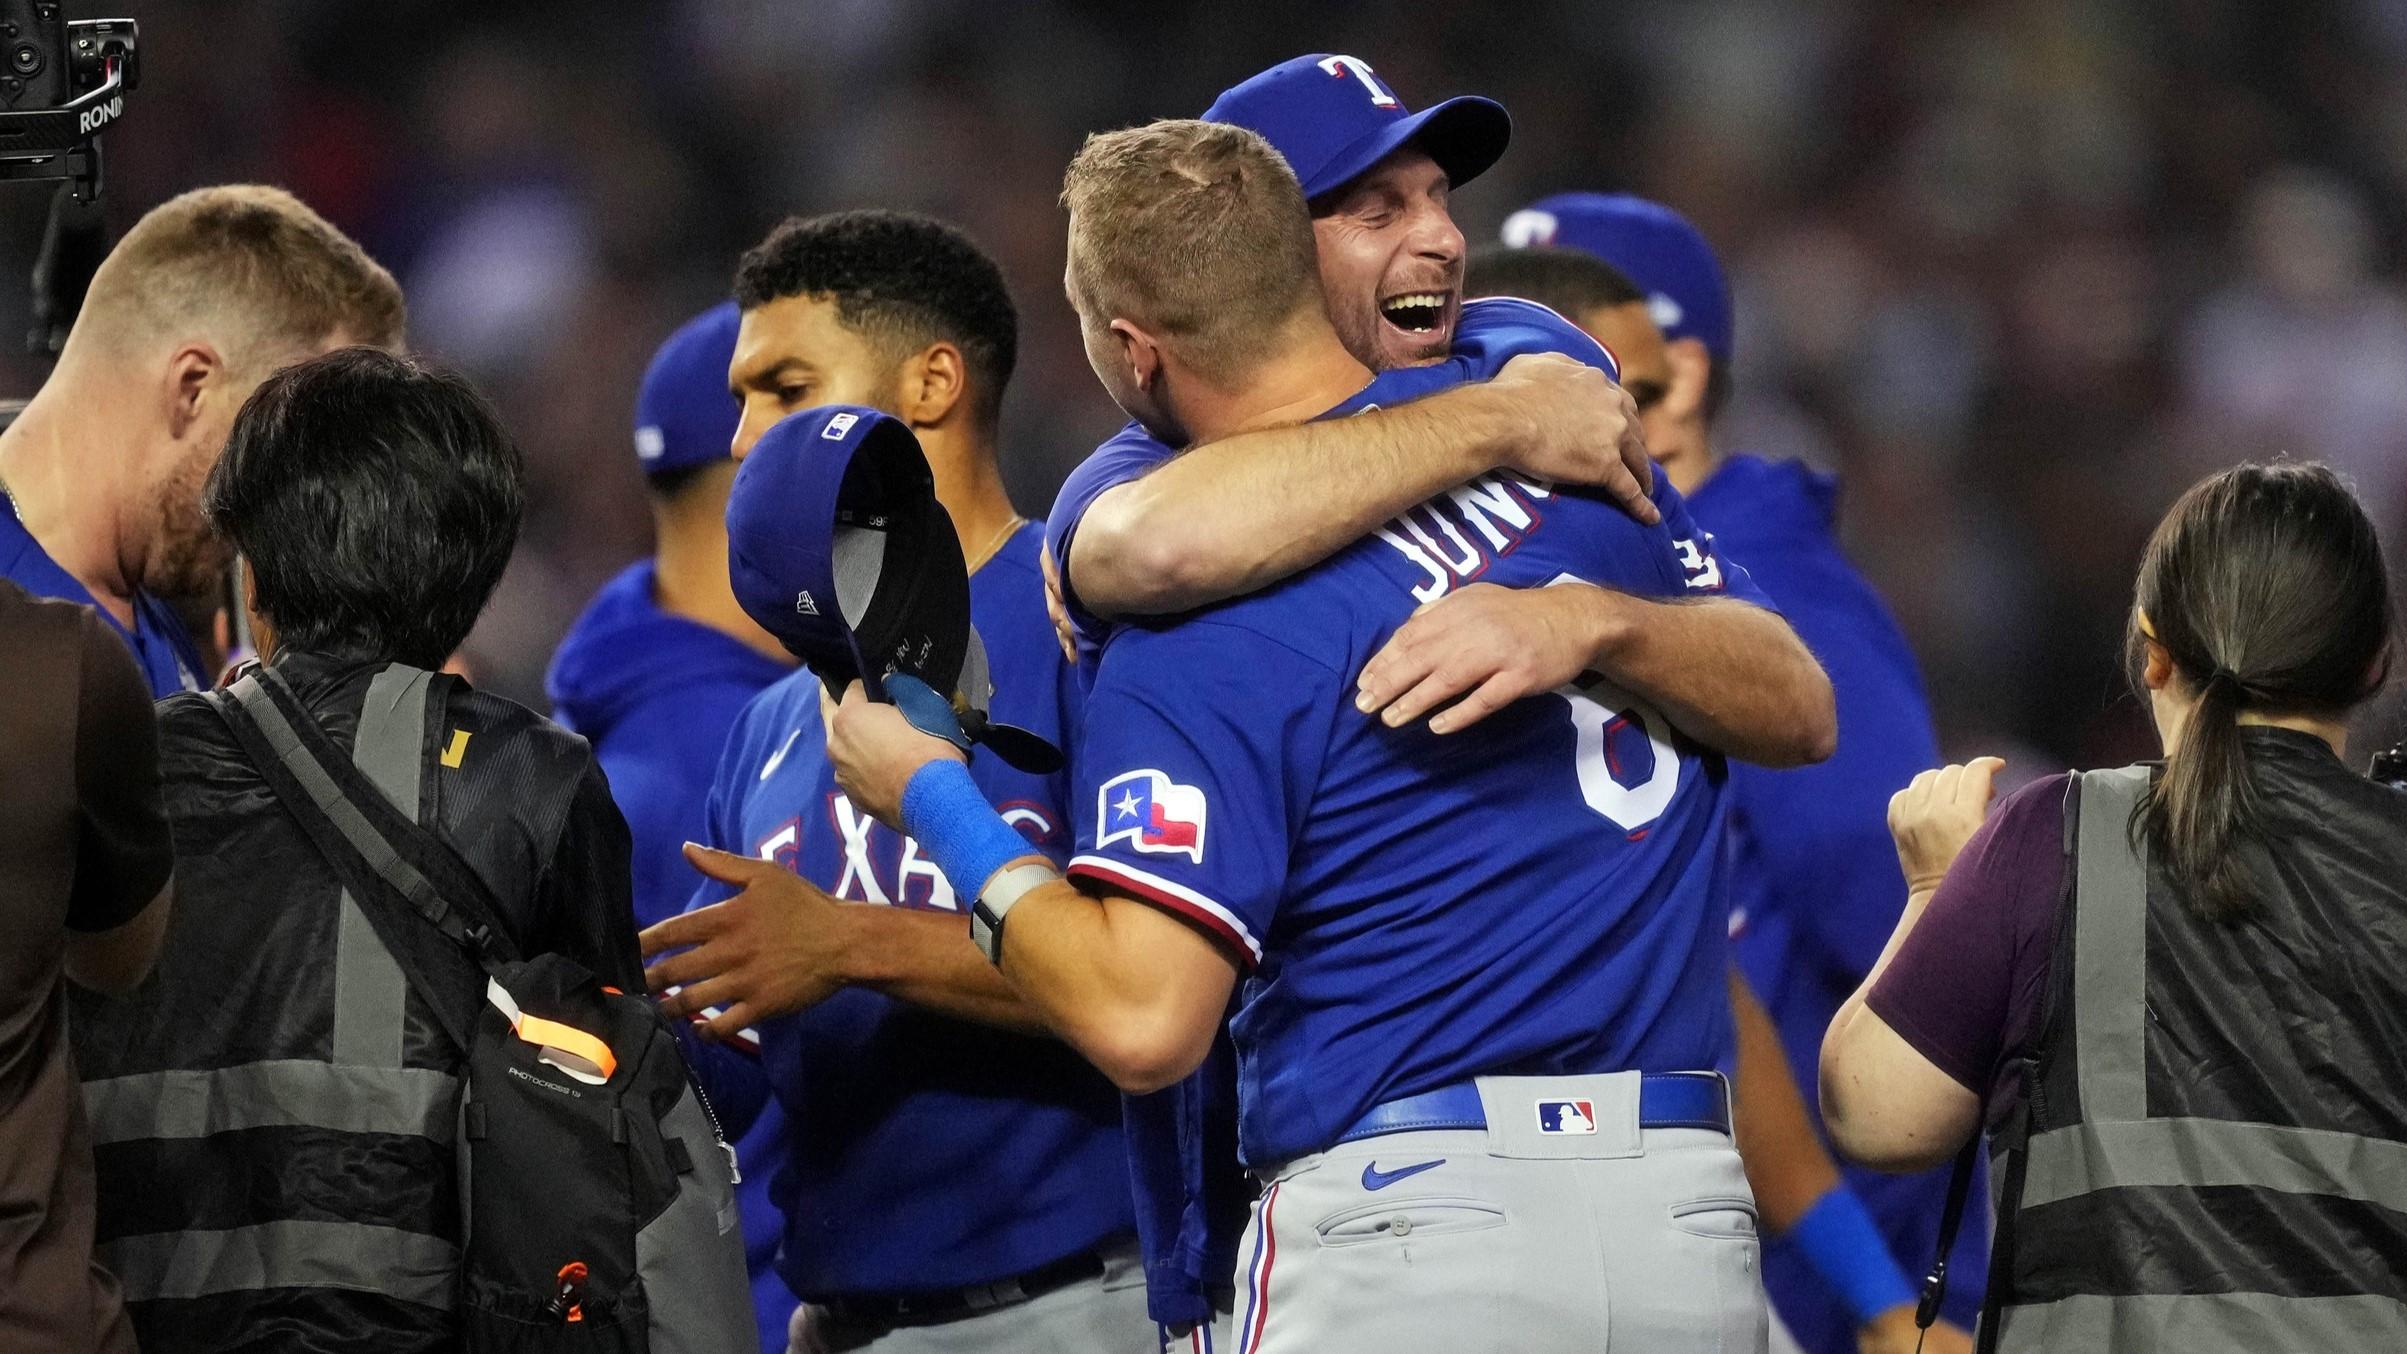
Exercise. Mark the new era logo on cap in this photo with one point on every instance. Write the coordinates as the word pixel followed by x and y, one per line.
pixel 1567 1116
pixel 838 426
pixel 649 443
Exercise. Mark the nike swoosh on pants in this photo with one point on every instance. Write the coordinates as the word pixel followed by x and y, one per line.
pixel 1374 1178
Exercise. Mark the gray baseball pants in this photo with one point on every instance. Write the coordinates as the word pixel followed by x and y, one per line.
pixel 1620 1241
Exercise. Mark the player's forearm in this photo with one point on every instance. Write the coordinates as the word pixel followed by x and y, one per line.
pixel 1730 675
pixel 1233 516
pixel 926 958
pixel 1787 1166
pixel 1093 971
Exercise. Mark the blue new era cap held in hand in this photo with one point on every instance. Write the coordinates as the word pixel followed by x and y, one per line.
pixel 683 413
pixel 1332 117
pixel 1654 246
pixel 837 546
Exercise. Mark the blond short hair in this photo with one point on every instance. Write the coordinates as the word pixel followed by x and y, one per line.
pixel 248 267
pixel 1196 231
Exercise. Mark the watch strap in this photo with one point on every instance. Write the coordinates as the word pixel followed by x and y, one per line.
pixel 996 900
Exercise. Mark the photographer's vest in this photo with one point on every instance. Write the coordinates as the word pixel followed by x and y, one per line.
pixel 277 1159
pixel 2211 1156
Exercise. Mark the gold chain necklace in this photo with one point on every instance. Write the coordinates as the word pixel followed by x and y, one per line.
pixel 997 543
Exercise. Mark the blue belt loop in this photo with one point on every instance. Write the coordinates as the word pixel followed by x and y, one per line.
pixel 1665 1100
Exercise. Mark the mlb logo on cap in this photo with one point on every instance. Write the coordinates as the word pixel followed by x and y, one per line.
pixel 838 426
pixel 1567 1116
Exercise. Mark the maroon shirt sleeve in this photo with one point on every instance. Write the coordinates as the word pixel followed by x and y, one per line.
pixel 1966 987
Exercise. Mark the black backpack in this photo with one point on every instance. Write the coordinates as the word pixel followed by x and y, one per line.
pixel 596 1189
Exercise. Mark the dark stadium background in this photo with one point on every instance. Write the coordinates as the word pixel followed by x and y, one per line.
pixel 2019 269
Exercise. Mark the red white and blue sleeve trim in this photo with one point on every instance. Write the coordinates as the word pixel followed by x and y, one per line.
pixel 1175 898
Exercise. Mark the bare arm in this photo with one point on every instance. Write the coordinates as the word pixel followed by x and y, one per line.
pixel 782 945
pixel 1733 676
pixel 1728 674
pixel 115 961
pixel 1886 1105
pixel 926 958
pixel 1136 991
pixel 1235 515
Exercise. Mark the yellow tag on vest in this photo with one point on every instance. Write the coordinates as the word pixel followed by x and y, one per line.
pixel 458 751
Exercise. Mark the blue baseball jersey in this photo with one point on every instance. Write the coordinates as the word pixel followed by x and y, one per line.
pixel 161 646
pixel 1815 890
pixel 924 1152
pixel 1540 896
pixel 655 694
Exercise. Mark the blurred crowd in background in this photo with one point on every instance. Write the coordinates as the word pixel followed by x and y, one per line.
pixel 2017 270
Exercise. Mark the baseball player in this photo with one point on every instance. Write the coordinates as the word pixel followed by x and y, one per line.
pixel 1139 533
pixel 1815 893
pixel 1478 974
pixel 955 1179
pixel 656 669
pixel 1136 531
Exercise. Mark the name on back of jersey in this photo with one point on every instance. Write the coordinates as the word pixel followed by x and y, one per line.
pixel 1454 538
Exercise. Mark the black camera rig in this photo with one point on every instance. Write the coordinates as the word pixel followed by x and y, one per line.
pixel 61 82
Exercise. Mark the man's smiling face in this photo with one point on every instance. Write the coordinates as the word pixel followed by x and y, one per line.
pixel 1391 261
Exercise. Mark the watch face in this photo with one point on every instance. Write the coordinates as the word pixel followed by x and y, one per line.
pixel 986 931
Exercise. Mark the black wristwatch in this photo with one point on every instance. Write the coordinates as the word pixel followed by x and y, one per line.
pixel 995 902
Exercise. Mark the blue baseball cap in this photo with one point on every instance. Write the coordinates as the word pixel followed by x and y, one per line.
pixel 683 413
pixel 837 546
pixel 1333 118
pixel 1656 247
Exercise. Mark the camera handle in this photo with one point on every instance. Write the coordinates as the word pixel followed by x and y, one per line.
pixel 56 143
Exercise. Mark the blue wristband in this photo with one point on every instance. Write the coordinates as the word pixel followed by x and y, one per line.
pixel 1838 1238
pixel 947 814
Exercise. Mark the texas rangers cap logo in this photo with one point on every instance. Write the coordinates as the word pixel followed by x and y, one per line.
pixel 1567 1116
pixel 1529 227
pixel 1152 813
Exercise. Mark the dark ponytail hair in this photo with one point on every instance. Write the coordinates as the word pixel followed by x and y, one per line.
pixel 2266 587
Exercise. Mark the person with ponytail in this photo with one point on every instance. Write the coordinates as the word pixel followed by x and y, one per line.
pixel 2174 995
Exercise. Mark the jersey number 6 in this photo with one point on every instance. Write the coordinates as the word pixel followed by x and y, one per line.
pixel 1603 715
pixel 1601 711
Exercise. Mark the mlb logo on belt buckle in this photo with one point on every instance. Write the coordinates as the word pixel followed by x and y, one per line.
pixel 1567 1116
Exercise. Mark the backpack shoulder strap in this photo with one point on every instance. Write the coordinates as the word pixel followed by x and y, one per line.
pixel 353 824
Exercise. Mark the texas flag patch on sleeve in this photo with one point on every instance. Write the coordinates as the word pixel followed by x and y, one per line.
pixel 1152 813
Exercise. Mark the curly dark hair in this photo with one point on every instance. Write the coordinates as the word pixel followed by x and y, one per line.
pixel 900 280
